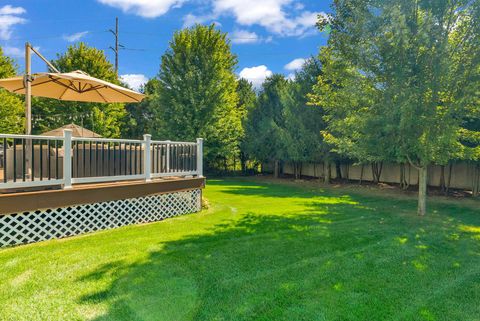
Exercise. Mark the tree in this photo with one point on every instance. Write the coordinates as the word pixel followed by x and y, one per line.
pixel 420 60
pixel 246 102
pixel 303 123
pixel 140 114
pixel 265 129
pixel 7 66
pixel 197 93
pixel 11 106
pixel 106 119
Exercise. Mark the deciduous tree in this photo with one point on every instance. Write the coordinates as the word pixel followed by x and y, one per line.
pixel 12 115
pixel 421 61
pixel 197 94
pixel 105 119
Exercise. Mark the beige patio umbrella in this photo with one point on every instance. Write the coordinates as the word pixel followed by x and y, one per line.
pixel 72 86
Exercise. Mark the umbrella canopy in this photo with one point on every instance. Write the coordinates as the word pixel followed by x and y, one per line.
pixel 77 131
pixel 73 86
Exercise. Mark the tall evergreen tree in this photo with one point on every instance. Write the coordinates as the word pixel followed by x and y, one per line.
pixel 246 102
pixel 266 125
pixel 303 123
pixel 197 93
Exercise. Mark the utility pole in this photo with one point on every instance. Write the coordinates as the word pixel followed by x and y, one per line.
pixel 115 50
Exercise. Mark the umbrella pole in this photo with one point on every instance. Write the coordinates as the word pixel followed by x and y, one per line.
pixel 28 109
pixel 28 90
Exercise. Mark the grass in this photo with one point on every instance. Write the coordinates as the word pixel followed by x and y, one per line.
pixel 262 251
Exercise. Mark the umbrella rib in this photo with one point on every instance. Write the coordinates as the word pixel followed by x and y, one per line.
pixel 63 85
pixel 33 85
pixel 93 88
pixel 101 95
pixel 118 91
pixel 64 92
pixel 82 90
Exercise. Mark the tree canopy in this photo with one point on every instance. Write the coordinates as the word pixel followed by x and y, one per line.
pixel 399 77
pixel 12 113
pixel 197 94
pixel 105 119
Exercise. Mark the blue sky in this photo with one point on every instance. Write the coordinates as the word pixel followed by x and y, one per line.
pixel 267 35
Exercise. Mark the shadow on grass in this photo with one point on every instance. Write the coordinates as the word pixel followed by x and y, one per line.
pixel 339 260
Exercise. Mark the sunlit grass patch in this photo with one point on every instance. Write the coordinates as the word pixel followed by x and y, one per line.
pixel 261 251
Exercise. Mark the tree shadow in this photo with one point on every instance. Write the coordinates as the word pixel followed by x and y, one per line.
pixel 347 259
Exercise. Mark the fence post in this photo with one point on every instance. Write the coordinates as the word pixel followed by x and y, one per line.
pixel 67 158
pixel 200 157
pixel 147 138
pixel 168 157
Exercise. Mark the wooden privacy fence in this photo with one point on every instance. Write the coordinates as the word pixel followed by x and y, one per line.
pixel 32 161
pixel 458 175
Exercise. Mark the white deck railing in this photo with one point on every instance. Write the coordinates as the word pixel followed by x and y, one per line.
pixel 32 161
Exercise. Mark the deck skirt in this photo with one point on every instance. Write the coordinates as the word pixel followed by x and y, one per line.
pixel 41 225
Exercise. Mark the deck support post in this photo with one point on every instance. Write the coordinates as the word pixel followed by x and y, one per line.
pixel 67 158
pixel 147 139
pixel 200 157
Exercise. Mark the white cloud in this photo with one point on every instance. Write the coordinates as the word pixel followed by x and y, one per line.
pixel 8 9
pixel 13 51
pixel 190 20
pixel 295 64
pixel 241 37
pixel 8 19
pixel 75 37
pixel 256 75
pixel 144 8
pixel 283 17
pixel 16 52
pixel 244 37
pixel 134 81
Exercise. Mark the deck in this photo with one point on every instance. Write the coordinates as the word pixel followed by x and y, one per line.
pixel 54 187
pixel 17 202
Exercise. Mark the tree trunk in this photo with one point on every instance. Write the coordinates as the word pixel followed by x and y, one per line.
pixel 404 183
pixel 326 172
pixel 243 165
pixel 476 181
pixel 361 174
pixel 443 187
pixel 276 169
pixel 449 180
pixel 338 170
pixel 422 190
pixel 377 171
pixel 402 176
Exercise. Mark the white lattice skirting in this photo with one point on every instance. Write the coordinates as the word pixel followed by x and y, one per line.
pixel 35 226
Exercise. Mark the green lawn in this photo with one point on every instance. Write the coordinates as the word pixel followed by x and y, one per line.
pixel 262 251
